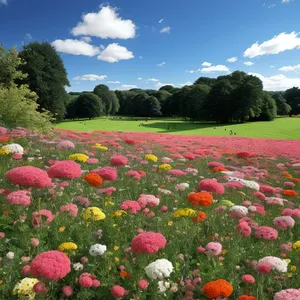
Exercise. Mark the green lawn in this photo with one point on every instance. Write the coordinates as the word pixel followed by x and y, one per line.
pixel 281 128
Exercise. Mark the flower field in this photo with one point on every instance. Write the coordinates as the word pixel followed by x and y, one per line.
pixel 107 215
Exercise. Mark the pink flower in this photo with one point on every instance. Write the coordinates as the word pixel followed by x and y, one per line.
pixel 248 279
pixel 92 161
pixel 243 154
pixel 244 229
pixel 176 172
pixel 35 242
pixel 265 269
pixel 107 173
pixel 40 288
pixel 164 208
pixel 3 130
pixel 67 291
pixel 214 164
pixel 2 235
pixel 17 156
pixel 148 242
pixel 37 217
pixel 289 294
pixel 259 195
pixel 233 185
pixel 143 284
pixel 284 222
pixel 267 189
pixel 136 175
pixel 29 176
pixel 287 247
pixel 71 208
pixel 108 191
pixel 85 281
pixel 118 160
pixel 211 185
pixel 65 145
pixel 19 198
pixel 26 270
pixel 52 265
pixel 117 291
pixel 84 260
pixel 289 184
pixel 214 248
pixel 266 233
pixel 83 201
pixel 148 200
pixel 96 283
pixel 65 169
pixel 131 206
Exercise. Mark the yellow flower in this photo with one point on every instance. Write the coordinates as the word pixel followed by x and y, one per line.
pixel 296 246
pixel 106 203
pixel 117 259
pixel 62 229
pixel 94 213
pixel 4 151
pixel 68 246
pixel 164 167
pixel 1 281
pixel 293 268
pixel 287 260
pixel 184 212
pixel 100 147
pixel 289 275
pixel 151 157
pixel 170 223
pixel 116 248
pixel 227 202
pixel 224 251
pixel 198 264
pixel 24 288
pixel 119 213
pixel 79 157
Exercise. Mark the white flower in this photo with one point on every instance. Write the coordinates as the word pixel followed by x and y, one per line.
pixel 239 210
pixel 274 262
pixel 78 267
pixel 14 148
pixel 163 286
pixel 159 269
pixel 248 183
pixel 97 250
pixel 10 255
pixel 163 191
pixel 182 186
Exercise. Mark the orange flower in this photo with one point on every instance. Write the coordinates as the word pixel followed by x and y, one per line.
pixel 4 138
pixel 286 175
pixel 201 198
pixel 93 179
pixel 218 288
pixel 245 297
pixel 5 212
pixel 125 274
pixel 296 179
pixel 200 218
pixel 290 193
pixel 219 169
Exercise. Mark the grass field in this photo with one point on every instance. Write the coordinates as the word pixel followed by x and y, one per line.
pixel 281 128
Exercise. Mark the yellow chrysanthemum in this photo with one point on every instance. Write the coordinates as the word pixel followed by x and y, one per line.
pixel 62 229
pixel 296 246
pixel 164 167
pixel 24 288
pixel 100 147
pixel 67 247
pixel 151 157
pixel 79 157
pixel 94 213
pixel 184 212
pixel 170 223
pixel 227 203
pixel 293 268
pixel 119 213
pixel 116 248
pixel 4 151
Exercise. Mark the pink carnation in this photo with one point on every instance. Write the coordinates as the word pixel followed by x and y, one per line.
pixel 274 201
pixel 148 200
pixel 286 247
pixel 65 145
pixel 189 156
pixel 52 265
pixel 136 175
pixel 233 185
pixel 118 160
pixel 71 208
pixel 67 291
pixel 29 176
pixel 143 284
pixel 289 184
pixel 107 173
pixel 65 169
pixel 259 195
pixel 211 185
pixel 243 154
pixel 37 217
pixel 248 279
pixel 244 229
pixel 85 281
pixel 289 294
pixel 176 155
pixel 267 189
pixel 266 233
pixel 92 161
pixel 214 164
pixel 19 198
pixel 3 130
pixel 117 291
pixel 131 206
pixel 83 201
pixel 148 242
pixel 176 172
pixel 214 248
pixel 108 191
pixel 284 222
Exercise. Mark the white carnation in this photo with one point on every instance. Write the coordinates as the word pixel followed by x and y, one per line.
pixel 159 269
pixel 14 148
pixel 97 250
pixel 163 286
pixel 241 210
pixel 78 267
pixel 274 262
pixel 248 183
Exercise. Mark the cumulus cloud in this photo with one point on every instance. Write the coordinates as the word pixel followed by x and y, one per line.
pixel 248 63
pixel 159 85
pixel 114 53
pixel 290 68
pixel 206 64
pixel 152 80
pixel 140 78
pixel 187 83
pixel 114 82
pixel 86 39
pixel 128 87
pixel 75 47
pixel 165 30
pixel 286 1
pixel 161 64
pixel 232 59
pixel 4 2
pixel 217 68
pixel 278 82
pixel 279 43
pixel 105 24
pixel 90 77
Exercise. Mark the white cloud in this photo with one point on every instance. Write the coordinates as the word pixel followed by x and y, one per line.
pixel 272 66
pixel 75 47
pixel 29 36
pixel 191 71
pixel 159 84
pixel 290 68
pixel 140 78
pixel 232 59
pixel 278 82
pixel 160 21
pixel 280 43
pixel 114 82
pixel 286 1
pixel 90 77
pixel 105 24
pixel 4 2
pixel 161 64
pixel 165 30
pixel 206 64
pixel 152 80
pixel 187 83
pixel 86 39
pixel 248 63
pixel 217 68
pixel 272 5
pixel 128 87
pixel 114 53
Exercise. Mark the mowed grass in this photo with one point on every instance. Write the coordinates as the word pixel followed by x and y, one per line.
pixel 280 128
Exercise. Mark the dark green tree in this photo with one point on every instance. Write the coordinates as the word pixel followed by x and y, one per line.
pixel 292 97
pixel 150 107
pixel 268 109
pixel 283 109
pixel 88 105
pixel 206 80
pixel 47 77
pixel 169 88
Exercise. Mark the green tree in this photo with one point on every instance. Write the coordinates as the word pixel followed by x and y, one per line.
pixel 169 88
pixel 283 109
pixel 268 109
pixel 292 97
pixel 88 105
pixel 206 80
pixel 150 107
pixel 47 77
pixel 125 100
pixel 18 104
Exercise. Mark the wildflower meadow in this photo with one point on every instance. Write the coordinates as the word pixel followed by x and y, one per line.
pixel 112 215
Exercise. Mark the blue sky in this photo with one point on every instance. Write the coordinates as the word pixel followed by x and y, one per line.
pixel 151 43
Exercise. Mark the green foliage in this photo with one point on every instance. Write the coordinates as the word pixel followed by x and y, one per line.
pixel 47 77
pixel 283 108
pixel 268 109
pixel 292 97
pixel 18 104
pixel 87 105
pixel 168 88
pixel 150 107
pixel 206 80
